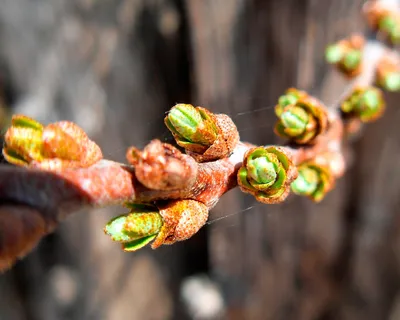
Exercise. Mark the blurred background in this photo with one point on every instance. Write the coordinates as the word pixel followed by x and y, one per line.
pixel 115 67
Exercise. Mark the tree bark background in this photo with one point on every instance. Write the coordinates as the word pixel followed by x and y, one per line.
pixel 114 67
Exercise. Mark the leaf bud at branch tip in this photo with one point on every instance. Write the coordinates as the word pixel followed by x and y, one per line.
pixel 53 147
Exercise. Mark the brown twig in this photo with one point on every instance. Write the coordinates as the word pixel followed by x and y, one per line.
pixel 44 198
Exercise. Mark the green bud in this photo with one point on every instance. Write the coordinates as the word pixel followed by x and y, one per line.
pixel 306 183
pixel 23 141
pixel 266 173
pixel 56 146
pixel 391 27
pixel 333 54
pixel 22 145
pixel 303 122
pixel 313 181
pixel 387 24
pixel 137 228
pixel 287 99
pixel 185 119
pixel 261 170
pixel 291 97
pixel 366 103
pixel 132 226
pixel 295 118
pixel 352 59
pixel 193 128
pixel 391 82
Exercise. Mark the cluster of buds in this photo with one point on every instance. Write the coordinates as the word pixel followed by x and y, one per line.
pixel 347 55
pixel 56 146
pixel 172 191
pixel 205 137
pixel 383 20
pixel 364 103
pixel 302 118
pixel 177 190
pixel 268 173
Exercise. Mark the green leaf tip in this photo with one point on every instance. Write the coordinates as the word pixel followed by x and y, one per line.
pixel 295 118
pixel 138 243
pixel 185 120
pixel 26 122
pixel 141 222
pixel 288 99
pixel 261 170
pixel 193 128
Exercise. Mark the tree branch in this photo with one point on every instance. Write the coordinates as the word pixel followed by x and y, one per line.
pixel 34 201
